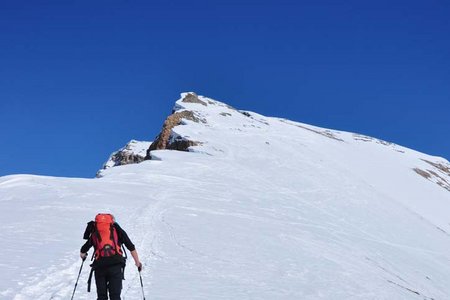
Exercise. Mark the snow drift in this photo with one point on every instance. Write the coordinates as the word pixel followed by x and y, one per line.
pixel 254 207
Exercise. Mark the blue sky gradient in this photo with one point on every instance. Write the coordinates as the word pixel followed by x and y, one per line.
pixel 79 79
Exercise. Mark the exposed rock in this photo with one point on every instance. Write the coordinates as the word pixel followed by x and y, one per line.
pixel 134 152
pixel 181 144
pixel 166 140
pixel 440 166
pixel 193 98
pixel 365 138
pixel 434 176
pixel 123 158
pixel 361 137
pixel 422 173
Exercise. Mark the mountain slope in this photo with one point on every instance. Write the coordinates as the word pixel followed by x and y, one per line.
pixel 257 208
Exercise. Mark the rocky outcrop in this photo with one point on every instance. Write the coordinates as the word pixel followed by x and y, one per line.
pixel 137 151
pixel 193 98
pixel 169 140
pixel 439 174
pixel 165 139
pixel 124 158
pixel 134 152
pixel 443 167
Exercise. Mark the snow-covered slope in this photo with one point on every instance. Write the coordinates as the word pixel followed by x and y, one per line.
pixel 259 208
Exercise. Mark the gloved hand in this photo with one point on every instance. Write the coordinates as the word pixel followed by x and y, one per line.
pixel 83 255
pixel 139 266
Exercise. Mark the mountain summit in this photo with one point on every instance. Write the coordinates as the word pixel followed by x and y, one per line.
pixel 206 117
pixel 230 204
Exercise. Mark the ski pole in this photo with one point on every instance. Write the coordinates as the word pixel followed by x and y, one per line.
pixel 79 273
pixel 142 285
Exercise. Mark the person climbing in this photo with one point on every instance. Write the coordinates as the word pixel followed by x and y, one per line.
pixel 108 238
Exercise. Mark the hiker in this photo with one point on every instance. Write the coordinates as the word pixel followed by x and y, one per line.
pixel 108 238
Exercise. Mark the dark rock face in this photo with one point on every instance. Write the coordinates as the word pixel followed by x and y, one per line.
pixel 165 139
pixel 133 153
pixel 122 158
pixel 193 98
pixel 181 145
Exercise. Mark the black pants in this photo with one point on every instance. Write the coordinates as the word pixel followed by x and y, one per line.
pixel 109 279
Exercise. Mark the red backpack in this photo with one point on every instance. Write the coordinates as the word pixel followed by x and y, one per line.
pixel 104 237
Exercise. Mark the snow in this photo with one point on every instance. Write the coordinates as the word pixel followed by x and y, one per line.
pixel 264 208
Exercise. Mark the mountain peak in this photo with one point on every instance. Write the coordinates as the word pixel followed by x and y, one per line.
pixel 191 97
pixel 204 125
pixel 258 207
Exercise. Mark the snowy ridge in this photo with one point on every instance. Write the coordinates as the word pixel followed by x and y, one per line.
pixel 260 208
pixel 133 152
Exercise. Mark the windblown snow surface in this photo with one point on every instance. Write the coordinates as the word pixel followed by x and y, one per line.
pixel 263 208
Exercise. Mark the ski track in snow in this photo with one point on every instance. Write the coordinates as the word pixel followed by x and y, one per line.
pixel 265 208
pixel 58 283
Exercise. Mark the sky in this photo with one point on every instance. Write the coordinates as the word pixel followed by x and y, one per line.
pixel 79 79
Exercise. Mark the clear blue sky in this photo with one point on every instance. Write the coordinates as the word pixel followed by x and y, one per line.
pixel 79 79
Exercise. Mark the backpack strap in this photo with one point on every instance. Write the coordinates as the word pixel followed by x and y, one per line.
pixel 89 280
pixel 111 236
pixel 97 234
